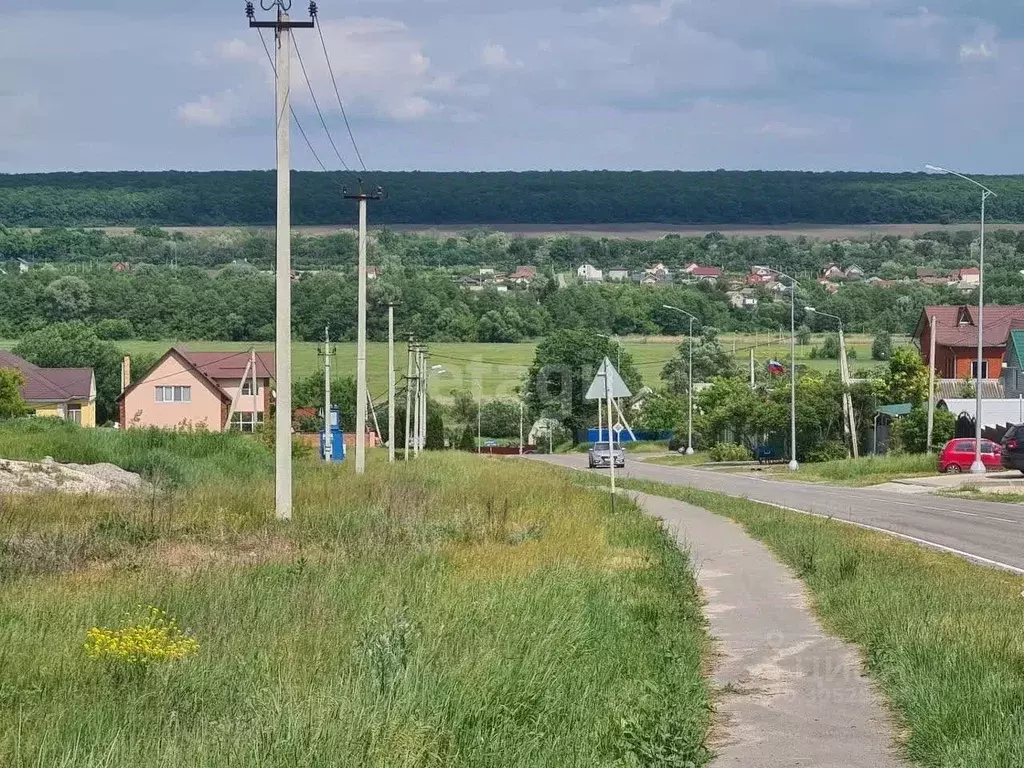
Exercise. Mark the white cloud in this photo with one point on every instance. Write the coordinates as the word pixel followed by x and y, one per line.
pixel 654 14
pixel 975 52
pixel 235 50
pixel 495 57
pixel 209 111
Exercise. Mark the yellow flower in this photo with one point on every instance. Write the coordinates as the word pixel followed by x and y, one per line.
pixel 142 640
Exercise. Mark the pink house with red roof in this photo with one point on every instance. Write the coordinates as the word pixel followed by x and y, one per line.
pixel 216 391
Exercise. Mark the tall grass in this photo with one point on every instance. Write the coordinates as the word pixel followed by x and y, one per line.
pixel 943 637
pixel 180 458
pixel 457 611
pixel 872 470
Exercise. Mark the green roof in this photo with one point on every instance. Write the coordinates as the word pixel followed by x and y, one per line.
pixel 1017 342
pixel 896 410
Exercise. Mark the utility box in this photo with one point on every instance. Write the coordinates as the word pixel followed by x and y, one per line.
pixel 337 438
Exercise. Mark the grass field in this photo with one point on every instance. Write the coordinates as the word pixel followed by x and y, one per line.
pixel 500 368
pixel 941 636
pixel 457 611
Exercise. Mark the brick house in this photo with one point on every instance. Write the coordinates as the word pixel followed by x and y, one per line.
pixel 956 339
pixel 217 391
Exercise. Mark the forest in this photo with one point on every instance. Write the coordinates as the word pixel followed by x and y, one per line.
pixel 174 198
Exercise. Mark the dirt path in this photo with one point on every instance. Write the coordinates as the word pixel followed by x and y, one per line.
pixel 790 695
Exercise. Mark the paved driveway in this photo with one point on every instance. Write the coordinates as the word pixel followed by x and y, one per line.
pixel 986 532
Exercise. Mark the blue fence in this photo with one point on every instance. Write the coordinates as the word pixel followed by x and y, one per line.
pixel 592 436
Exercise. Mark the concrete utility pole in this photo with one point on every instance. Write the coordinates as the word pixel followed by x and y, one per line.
pixel 408 400
pixel 327 353
pixel 283 27
pixel 931 387
pixel 521 419
pixel 424 386
pixel 479 419
pixel 361 393
pixel 849 420
pixel 391 382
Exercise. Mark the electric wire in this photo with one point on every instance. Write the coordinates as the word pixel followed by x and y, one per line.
pixel 337 93
pixel 323 122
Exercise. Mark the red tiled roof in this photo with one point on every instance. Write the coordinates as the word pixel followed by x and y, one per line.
pixel 706 272
pixel 50 385
pixel 524 272
pixel 999 321
pixel 230 365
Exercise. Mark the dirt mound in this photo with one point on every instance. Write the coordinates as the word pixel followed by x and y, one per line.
pixel 48 475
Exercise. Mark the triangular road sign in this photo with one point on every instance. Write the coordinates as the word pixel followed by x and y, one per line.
pixel 618 387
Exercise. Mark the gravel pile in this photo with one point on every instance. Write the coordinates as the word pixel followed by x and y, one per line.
pixel 48 475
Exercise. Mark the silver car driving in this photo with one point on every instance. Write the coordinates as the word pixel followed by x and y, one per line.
pixel 601 455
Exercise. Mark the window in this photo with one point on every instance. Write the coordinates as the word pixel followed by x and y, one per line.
pixel 246 421
pixel 964 446
pixel 174 394
pixel 247 387
pixel 984 369
pixel 74 414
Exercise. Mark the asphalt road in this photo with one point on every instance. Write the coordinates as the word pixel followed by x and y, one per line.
pixel 986 532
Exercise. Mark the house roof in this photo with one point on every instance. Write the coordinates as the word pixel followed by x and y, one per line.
pixel 524 271
pixel 706 272
pixel 950 332
pixel 210 366
pixel 50 385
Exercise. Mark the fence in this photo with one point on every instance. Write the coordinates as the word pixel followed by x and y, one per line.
pixel 592 436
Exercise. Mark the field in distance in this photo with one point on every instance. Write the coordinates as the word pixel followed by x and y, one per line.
pixel 498 369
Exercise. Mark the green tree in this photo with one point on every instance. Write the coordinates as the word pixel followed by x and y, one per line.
pixel 906 380
pixel 881 347
pixel 500 419
pixel 663 412
pixel 68 298
pixel 710 360
pixel 308 392
pixel 11 404
pixel 830 347
pixel 467 442
pixel 563 368
pixel 910 433
pixel 803 335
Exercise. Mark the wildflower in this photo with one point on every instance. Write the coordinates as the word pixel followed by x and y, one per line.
pixel 151 637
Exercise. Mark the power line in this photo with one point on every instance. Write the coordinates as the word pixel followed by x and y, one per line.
pixel 323 122
pixel 294 116
pixel 337 93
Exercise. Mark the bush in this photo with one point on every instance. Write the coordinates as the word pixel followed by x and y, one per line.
pixel 827 451
pixel 830 349
pixel 729 452
pixel 467 442
pixel 910 433
pixel 881 348
pixel 500 419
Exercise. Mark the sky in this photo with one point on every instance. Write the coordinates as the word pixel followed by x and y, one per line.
pixel 481 85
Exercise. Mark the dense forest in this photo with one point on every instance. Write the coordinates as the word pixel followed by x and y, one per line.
pixel 174 198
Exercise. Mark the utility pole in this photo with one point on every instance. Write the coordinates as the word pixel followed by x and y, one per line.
pixel 391 382
pixel 327 354
pixel 521 417
pixel 408 400
pixel 424 386
pixel 479 419
pixel 752 369
pixel 844 372
pixel 283 27
pixel 361 393
pixel 931 386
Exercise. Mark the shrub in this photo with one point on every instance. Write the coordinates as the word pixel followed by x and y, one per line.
pixel 881 348
pixel 728 452
pixel 827 451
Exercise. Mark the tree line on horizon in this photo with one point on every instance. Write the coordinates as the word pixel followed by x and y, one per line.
pixel 248 198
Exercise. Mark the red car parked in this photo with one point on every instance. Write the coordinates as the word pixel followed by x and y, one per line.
pixel 958 455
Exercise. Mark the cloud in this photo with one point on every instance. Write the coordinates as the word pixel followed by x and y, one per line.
pixel 495 57
pixel 209 111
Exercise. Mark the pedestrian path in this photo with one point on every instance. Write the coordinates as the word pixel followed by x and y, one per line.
pixel 789 694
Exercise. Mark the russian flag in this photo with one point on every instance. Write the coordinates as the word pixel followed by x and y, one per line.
pixel 776 368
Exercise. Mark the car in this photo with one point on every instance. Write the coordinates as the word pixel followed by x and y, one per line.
pixel 600 456
pixel 1013 448
pixel 958 455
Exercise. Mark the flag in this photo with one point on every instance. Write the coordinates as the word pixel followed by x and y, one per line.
pixel 776 368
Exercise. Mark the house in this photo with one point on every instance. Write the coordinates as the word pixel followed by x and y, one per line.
pixel 966 279
pixel 706 274
pixel 618 274
pixel 23 266
pixel 742 299
pixel 830 288
pixel 926 272
pixel 217 391
pixel 1013 366
pixel 373 273
pixel 121 266
pixel 956 339
pixel 471 283
pixel 654 278
pixel 659 269
pixel 523 276
pixel 486 271
pixel 853 273
pixel 832 272
pixel 60 393
pixel 590 273
pixel 760 276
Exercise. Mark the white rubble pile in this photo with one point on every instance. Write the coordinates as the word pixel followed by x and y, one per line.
pixel 48 475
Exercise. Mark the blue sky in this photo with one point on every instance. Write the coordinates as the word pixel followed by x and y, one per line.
pixel 486 85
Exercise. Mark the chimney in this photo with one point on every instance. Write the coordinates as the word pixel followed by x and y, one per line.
pixel 126 373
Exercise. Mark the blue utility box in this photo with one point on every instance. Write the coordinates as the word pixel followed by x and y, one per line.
pixel 337 438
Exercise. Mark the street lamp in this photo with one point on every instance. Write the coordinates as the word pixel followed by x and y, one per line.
pixel 793 465
pixel 689 386
pixel 844 373
pixel 978 468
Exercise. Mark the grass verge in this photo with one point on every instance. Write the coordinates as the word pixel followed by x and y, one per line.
pixel 943 637
pixel 456 611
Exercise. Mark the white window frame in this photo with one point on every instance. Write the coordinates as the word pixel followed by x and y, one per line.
pixel 247 388
pixel 173 394
pixel 245 421
pixel 77 411
pixel 974 369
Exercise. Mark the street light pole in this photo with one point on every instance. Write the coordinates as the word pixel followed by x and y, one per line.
pixel 844 373
pixel 793 464
pixel 978 467
pixel 689 386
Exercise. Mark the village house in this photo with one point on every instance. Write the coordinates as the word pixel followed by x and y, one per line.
pixel 853 273
pixel 216 391
pixel 760 276
pixel 618 274
pixel 523 276
pixel 373 273
pixel 832 272
pixel 659 269
pixel 23 266
pixel 589 273
pixel 956 339
pixel 966 279
pixel 59 393
pixel 706 274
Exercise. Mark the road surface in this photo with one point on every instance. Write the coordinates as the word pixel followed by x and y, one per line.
pixel 986 532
